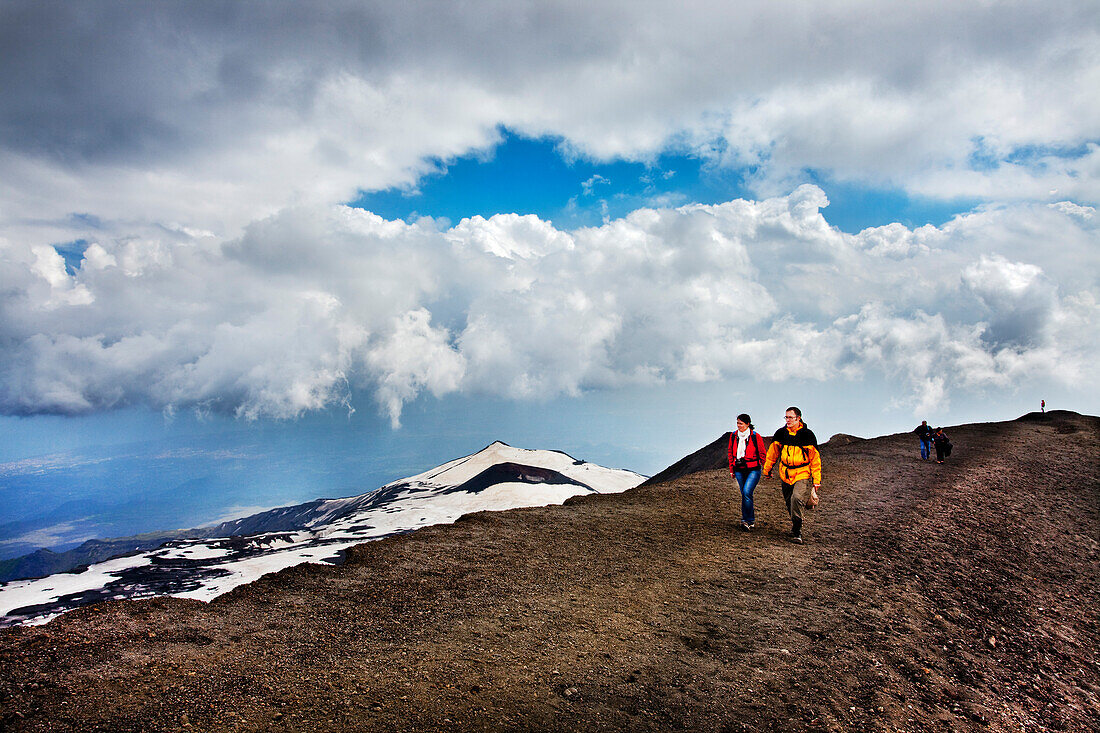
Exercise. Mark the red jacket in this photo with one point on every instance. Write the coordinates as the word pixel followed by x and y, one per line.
pixel 754 451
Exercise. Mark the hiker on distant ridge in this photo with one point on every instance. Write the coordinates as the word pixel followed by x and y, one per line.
pixel 924 435
pixel 943 445
pixel 794 448
pixel 746 454
pixel 1043 406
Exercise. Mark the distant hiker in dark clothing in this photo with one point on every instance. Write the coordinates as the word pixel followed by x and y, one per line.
pixel 942 443
pixel 746 454
pixel 794 448
pixel 924 435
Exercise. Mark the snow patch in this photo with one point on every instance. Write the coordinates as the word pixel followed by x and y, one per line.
pixel 205 569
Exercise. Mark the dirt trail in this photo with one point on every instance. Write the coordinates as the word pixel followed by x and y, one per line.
pixel 928 598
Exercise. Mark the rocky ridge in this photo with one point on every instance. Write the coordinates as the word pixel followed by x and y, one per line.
pixel 928 598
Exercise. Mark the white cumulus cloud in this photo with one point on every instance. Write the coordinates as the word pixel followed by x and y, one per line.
pixel 314 303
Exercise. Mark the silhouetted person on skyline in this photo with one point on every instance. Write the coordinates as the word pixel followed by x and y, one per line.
pixel 943 445
pixel 924 435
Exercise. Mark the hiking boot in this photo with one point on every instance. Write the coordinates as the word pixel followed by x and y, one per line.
pixel 747 526
pixel 796 538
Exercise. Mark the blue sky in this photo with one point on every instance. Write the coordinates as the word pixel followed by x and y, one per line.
pixel 537 176
pixel 604 229
pixel 540 176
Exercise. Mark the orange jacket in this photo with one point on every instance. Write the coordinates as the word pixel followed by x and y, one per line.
pixel 797 455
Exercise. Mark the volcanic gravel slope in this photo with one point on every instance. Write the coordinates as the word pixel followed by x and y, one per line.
pixel 928 598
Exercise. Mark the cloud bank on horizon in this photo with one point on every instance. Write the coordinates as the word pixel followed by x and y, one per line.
pixel 194 163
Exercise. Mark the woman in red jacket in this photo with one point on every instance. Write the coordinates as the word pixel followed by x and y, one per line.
pixel 746 454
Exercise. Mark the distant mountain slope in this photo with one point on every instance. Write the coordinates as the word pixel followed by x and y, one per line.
pixel 44 561
pixel 207 562
pixel 709 457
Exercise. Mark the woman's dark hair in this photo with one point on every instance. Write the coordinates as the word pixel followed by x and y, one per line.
pixel 795 410
pixel 743 417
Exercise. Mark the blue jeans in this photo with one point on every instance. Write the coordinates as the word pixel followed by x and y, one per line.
pixel 747 480
pixel 925 448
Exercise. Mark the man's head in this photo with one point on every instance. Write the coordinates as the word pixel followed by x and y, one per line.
pixel 793 417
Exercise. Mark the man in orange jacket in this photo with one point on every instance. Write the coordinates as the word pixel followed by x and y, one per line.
pixel 794 448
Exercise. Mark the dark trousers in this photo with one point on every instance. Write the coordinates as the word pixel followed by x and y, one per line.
pixel 797 497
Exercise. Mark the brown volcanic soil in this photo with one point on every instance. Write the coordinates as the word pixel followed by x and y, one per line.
pixel 928 598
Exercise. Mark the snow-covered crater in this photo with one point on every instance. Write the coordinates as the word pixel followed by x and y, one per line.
pixel 495 478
